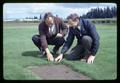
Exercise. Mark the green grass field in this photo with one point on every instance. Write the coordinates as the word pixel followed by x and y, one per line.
pixel 20 52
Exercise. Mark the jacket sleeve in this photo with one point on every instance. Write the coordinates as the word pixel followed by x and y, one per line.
pixel 68 42
pixel 63 28
pixel 95 37
pixel 42 37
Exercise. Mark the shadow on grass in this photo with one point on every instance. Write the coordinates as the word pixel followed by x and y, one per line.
pixel 31 54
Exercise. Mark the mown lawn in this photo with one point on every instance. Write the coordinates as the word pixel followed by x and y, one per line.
pixel 20 52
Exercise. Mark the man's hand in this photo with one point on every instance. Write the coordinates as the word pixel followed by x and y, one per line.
pixel 49 55
pixel 59 35
pixel 90 59
pixel 59 58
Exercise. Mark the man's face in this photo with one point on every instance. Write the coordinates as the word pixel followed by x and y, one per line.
pixel 73 23
pixel 49 21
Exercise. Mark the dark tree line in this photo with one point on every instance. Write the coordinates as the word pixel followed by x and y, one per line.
pixel 101 13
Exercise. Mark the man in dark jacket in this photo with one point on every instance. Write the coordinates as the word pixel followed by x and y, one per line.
pixel 87 40
pixel 51 32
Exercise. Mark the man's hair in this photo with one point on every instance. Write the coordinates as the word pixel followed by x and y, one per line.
pixel 73 16
pixel 48 14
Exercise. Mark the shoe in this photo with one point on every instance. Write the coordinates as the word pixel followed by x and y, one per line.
pixel 42 53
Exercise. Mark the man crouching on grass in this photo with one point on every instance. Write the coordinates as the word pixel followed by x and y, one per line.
pixel 87 40
pixel 51 32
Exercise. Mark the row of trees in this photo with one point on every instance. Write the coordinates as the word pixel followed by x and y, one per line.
pixel 93 13
pixel 101 13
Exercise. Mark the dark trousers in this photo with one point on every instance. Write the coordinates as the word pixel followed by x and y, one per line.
pixel 81 50
pixel 58 42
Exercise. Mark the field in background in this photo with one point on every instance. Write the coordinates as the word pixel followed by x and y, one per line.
pixel 96 21
pixel 20 52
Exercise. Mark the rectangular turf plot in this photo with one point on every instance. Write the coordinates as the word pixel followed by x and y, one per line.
pixel 56 72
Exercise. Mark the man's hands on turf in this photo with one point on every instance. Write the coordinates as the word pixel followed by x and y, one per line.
pixel 49 55
pixel 59 58
pixel 90 59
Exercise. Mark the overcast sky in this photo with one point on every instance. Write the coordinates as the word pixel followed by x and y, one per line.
pixel 22 10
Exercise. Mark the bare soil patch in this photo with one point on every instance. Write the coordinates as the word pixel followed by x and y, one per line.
pixel 57 72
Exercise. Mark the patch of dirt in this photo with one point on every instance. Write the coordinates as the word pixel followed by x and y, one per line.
pixel 56 72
